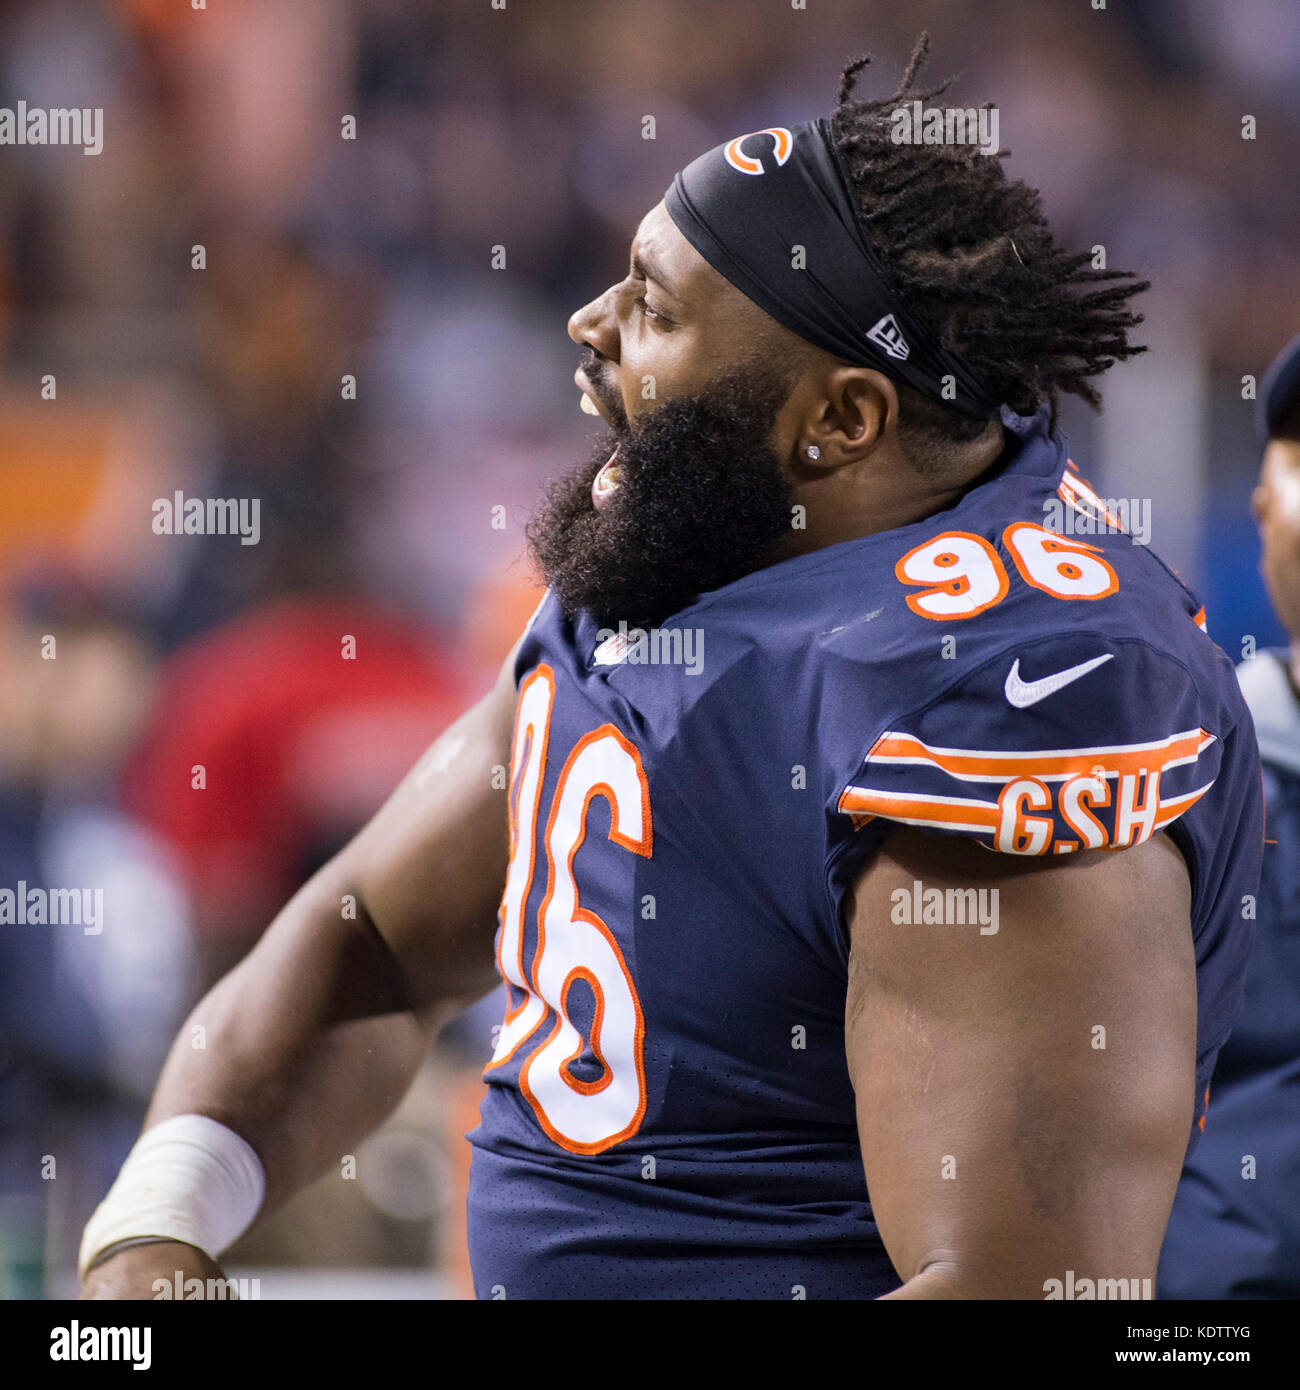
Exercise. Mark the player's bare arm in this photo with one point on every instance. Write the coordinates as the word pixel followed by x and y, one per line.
pixel 1024 1096
pixel 313 1039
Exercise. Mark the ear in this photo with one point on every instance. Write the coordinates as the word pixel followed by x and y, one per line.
pixel 1259 503
pixel 855 409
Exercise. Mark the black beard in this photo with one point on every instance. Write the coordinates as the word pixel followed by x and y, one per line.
pixel 700 502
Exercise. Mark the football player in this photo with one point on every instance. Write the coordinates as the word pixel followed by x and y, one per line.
pixel 868 879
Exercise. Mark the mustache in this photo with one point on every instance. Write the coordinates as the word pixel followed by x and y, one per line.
pixel 592 367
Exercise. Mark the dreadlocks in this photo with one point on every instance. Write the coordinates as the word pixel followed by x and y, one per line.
pixel 969 251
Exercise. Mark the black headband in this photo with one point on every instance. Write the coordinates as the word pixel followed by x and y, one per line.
pixel 747 205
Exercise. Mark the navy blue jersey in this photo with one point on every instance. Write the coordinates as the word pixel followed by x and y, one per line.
pixel 1235 1228
pixel 669 1110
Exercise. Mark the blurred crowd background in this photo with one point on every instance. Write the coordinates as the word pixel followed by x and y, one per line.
pixel 396 517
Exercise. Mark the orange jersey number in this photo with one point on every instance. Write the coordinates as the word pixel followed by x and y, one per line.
pixel 583 1116
pixel 960 574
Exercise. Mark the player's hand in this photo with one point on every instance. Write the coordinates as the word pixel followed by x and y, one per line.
pixel 135 1272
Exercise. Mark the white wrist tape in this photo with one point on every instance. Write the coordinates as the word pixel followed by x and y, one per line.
pixel 189 1179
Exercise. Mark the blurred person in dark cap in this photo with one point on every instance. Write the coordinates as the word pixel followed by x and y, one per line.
pixel 1235 1227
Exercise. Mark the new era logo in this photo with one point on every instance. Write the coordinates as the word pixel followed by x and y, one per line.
pixel 887 334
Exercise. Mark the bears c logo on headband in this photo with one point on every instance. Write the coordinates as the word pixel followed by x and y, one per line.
pixel 737 158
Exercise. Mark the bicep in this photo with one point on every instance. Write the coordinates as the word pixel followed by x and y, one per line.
pixel 428 869
pixel 1024 1096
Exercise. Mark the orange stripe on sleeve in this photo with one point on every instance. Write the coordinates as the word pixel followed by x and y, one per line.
pixel 976 765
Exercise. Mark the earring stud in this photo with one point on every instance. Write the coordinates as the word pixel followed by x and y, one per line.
pixel 814 452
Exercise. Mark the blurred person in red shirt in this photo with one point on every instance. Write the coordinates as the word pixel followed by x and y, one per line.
pixel 274 737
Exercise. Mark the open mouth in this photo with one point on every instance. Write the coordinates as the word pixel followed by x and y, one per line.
pixel 590 402
pixel 605 484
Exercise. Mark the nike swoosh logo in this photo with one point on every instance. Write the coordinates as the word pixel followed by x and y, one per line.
pixel 1022 694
